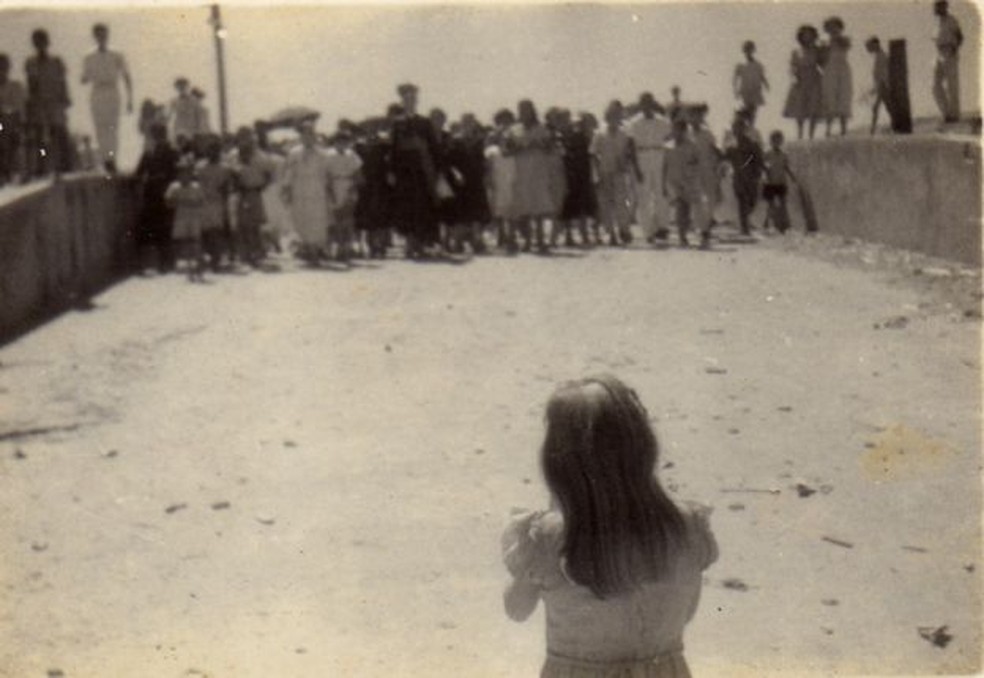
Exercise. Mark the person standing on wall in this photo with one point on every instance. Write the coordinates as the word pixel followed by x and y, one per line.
pixel 104 68
pixel 946 74
pixel 47 109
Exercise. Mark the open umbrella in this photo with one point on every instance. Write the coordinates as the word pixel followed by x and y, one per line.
pixel 292 116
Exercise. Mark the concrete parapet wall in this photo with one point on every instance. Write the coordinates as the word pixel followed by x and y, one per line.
pixel 916 193
pixel 59 244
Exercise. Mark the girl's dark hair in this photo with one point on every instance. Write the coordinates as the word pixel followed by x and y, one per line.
pixel 803 31
pixel 599 459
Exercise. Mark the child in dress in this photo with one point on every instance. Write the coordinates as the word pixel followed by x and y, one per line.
pixel 617 165
pixel 500 177
pixel 682 186
pixel 616 562
pixel 749 81
pixel 776 188
pixel 710 161
pixel 344 174
pixel 186 198
pixel 216 182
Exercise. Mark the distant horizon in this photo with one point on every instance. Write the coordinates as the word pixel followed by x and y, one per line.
pixel 345 60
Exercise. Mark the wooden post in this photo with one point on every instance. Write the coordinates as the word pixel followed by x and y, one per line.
pixel 898 85
pixel 219 33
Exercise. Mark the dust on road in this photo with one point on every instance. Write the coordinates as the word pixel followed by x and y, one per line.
pixel 306 473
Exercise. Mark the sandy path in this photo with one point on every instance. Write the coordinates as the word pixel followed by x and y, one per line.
pixel 371 430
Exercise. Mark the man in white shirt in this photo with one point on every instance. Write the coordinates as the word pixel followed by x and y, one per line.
pixel 946 75
pixel 650 130
pixel 103 68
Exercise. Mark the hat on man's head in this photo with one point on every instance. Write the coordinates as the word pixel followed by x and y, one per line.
pixel 181 80
pixel 406 88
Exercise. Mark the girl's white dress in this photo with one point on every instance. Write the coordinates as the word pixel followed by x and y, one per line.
pixel 836 82
pixel 638 634
pixel 502 176
pixel 306 176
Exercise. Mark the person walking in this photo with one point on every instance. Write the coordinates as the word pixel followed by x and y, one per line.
pixel 305 191
pixel 103 69
pixel 650 131
pixel 414 166
pixel 946 74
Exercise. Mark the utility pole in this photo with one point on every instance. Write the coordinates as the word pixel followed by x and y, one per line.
pixel 218 31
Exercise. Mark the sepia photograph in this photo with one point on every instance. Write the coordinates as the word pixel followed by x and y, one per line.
pixel 477 339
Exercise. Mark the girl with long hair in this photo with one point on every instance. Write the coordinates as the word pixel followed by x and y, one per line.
pixel 616 562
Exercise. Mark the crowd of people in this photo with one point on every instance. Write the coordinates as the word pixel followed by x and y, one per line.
pixel 519 184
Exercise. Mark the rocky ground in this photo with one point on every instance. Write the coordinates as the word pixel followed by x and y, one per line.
pixel 306 473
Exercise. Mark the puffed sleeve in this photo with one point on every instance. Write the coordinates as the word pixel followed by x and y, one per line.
pixel 701 537
pixel 531 546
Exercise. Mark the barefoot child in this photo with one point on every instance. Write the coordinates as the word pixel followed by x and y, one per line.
pixel 880 88
pixel 615 561
pixel 682 186
pixel 775 190
pixel 186 198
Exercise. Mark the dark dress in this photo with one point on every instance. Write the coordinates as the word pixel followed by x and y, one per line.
pixel 413 166
pixel 372 209
pixel 466 158
pixel 580 201
pixel 155 172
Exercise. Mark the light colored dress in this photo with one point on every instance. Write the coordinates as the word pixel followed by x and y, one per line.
pixel 103 69
pixel 836 83
pixel 216 183
pixel 533 194
pixel 650 135
pixel 188 203
pixel 638 634
pixel 306 177
pixel 615 180
pixel 710 164
pixel 805 99
pixel 343 173
pixel 502 176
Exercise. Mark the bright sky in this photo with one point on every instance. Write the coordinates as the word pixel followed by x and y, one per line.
pixel 345 59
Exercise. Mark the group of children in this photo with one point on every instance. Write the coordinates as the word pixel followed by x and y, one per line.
pixel 203 204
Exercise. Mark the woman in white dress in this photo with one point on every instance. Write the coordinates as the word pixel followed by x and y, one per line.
pixel 306 176
pixel 104 68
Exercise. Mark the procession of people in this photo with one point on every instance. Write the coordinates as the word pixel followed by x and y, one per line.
pixel 521 183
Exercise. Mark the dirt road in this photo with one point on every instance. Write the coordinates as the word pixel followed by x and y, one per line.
pixel 306 473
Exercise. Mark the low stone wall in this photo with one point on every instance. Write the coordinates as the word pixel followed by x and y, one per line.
pixel 61 243
pixel 921 193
